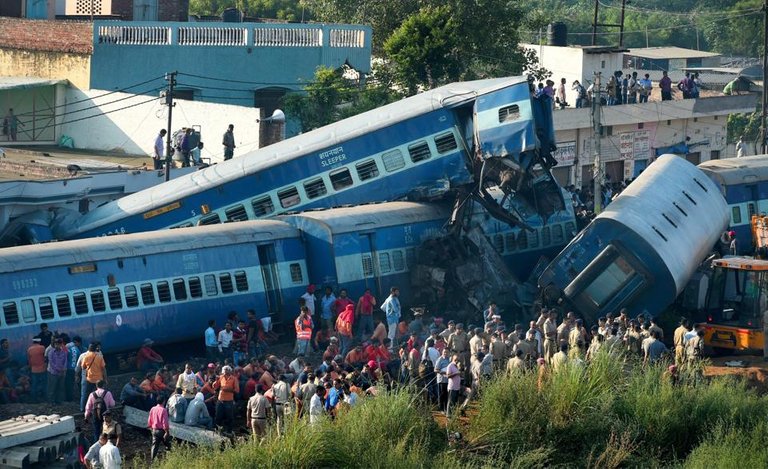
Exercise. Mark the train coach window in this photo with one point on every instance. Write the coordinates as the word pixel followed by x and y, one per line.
pixel 63 306
pixel 147 294
pixel 225 281
pixel 557 234
pixel 509 113
pixel 546 236
pixel 115 298
pixel 211 289
pixel 289 197
pixel 340 178
pixel 445 143
pixel 410 257
pixel 11 313
pixel 163 292
pixel 212 219
pixel 315 188
pixel 511 242
pixel 179 289
pixel 241 281
pixel 81 303
pixel 522 240
pixel 195 287
pixel 367 265
pixel 262 206
pixel 393 160
pixel 384 264
pixel 398 263
pixel 97 301
pixel 131 296
pixel 750 210
pixel 736 215
pixel 236 213
pixel 46 308
pixel 498 242
pixel 367 170
pixel 533 239
pixel 570 228
pixel 296 275
pixel 419 152
pixel 28 311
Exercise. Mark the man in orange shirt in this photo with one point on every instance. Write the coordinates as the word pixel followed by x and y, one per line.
pixel 227 385
pixel 36 361
pixel 355 357
pixel 95 370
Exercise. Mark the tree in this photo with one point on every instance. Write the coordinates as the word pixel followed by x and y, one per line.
pixel 288 10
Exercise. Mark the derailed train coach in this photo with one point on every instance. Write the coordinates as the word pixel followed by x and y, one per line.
pixel 640 252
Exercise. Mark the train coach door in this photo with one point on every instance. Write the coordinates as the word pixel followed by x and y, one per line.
pixel 268 262
pixel 371 273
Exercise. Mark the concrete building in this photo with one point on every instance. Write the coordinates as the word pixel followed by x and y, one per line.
pixel 137 10
pixel 669 58
pixel 578 62
pixel 633 135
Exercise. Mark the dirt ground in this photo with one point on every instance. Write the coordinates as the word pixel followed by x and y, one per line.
pixel 753 369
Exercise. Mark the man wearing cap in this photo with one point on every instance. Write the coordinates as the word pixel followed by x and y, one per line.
pixel 282 401
pixel 391 308
pixel 37 367
pixel 458 343
pixel 304 326
pixel 257 412
pixel 550 335
pixel 147 359
pixel 309 299
pixel 364 312
pixel 228 386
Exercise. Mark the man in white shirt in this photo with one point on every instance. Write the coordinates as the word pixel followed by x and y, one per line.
pixel 309 300
pixel 159 150
pixel 109 454
pixel 92 460
pixel 225 339
pixel 316 405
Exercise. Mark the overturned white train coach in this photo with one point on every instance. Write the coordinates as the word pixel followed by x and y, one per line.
pixel 641 251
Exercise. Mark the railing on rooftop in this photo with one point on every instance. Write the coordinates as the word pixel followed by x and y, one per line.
pixel 239 35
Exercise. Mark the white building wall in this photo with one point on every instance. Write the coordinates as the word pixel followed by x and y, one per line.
pixel 563 62
pixel 132 130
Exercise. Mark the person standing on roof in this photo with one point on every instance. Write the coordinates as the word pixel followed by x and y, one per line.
pixel 228 140
pixel 158 150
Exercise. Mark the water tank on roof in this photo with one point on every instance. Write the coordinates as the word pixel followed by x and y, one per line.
pixel 557 34
pixel 232 15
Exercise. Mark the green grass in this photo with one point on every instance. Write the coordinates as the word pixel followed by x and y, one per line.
pixel 607 415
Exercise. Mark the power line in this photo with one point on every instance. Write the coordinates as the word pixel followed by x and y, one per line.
pixel 108 112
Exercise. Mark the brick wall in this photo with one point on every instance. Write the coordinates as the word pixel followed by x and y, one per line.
pixel 46 35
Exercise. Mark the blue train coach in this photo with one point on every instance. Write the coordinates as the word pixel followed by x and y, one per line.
pixel 163 285
pixel 744 184
pixel 640 252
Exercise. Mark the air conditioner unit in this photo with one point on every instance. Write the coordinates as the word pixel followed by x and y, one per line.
pixel 88 7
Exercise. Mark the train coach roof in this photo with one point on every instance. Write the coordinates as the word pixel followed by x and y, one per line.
pixel 131 245
pixel 373 216
pixel 734 171
pixel 448 96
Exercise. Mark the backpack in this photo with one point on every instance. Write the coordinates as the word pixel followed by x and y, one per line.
pixel 99 406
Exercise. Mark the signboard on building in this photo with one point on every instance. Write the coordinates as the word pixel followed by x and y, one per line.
pixel 565 153
pixel 626 145
pixel 635 145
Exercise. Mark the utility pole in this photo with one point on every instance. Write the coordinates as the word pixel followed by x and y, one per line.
pixel 763 134
pixel 171 79
pixel 597 170
pixel 620 25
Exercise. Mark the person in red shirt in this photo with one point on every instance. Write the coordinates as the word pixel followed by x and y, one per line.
pixel 37 367
pixel 250 385
pixel 147 359
pixel 364 314
pixel 344 325
pixel 332 350
pixel 342 302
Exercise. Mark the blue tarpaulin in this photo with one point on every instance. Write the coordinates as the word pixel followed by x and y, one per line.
pixel 678 149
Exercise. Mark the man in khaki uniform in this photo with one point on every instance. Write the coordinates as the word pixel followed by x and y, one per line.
pixel 256 413
pixel 678 342
pixel 560 358
pixel 458 343
pixel 530 348
pixel 655 327
pixel 550 336
pixel 498 350
pixel 516 364
pixel 476 342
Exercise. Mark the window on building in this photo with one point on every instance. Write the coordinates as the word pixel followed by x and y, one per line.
pixel 115 298
pixel 289 197
pixel 163 292
pixel 393 160
pixel 46 308
pixel 262 206
pixel 640 126
pixel 419 152
pixel 11 313
pixel 367 170
pixel 195 287
pixel 97 301
pixel 241 280
pixel 131 296
pixel 384 263
pixel 63 306
pixel 340 178
pixel 236 213
pixel 315 188
pixel 225 281
pixel 81 303
pixel 28 311
pixel 714 154
pixel 211 289
pixel 179 289
pixel 296 274
pixel 446 142
pixel 147 294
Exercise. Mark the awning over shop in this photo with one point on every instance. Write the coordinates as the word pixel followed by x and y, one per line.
pixel 22 83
